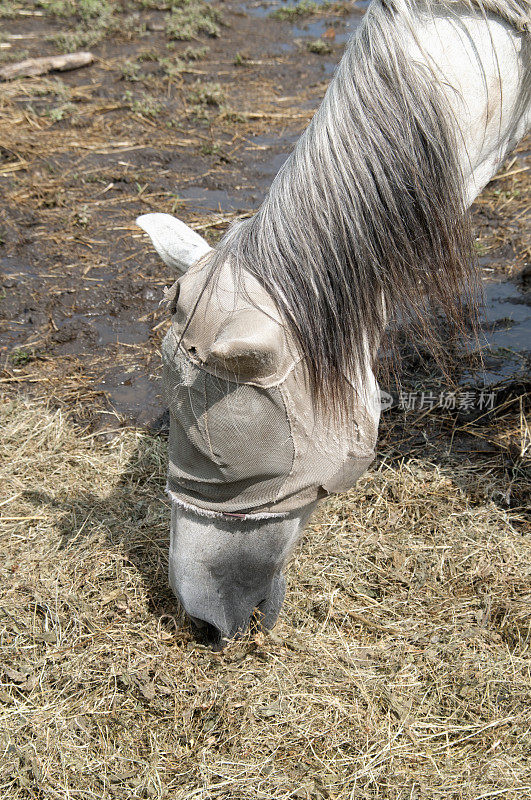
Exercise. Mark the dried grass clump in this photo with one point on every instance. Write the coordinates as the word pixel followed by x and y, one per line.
pixel 400 667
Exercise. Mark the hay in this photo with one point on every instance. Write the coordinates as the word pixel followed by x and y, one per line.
pixel 399 669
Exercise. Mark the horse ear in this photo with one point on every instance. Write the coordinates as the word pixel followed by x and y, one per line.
pixel 251 345
pixel 177 244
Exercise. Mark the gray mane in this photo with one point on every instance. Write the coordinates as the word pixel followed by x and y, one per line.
pixel 365 222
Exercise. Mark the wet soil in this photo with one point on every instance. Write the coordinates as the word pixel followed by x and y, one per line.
pixel 149 127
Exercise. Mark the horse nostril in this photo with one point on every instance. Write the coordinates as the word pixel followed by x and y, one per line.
pixel 207 633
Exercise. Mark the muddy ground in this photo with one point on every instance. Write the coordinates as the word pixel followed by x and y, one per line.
pixel 197 128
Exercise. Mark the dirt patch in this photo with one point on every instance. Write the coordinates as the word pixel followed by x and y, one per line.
pixel 197 129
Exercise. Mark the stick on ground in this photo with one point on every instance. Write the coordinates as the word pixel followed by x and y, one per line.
pixel 40 66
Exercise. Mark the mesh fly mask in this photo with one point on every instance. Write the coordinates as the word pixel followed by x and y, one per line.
pixel 245 437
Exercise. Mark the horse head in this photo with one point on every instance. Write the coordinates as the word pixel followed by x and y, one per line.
pixel 275 331
pixel 249 456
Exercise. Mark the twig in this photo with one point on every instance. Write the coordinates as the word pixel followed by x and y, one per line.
pixel 39 66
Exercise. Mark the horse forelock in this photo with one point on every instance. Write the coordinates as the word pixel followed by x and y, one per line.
pixel 367 217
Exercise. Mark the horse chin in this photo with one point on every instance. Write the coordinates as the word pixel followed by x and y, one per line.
pixel 227 572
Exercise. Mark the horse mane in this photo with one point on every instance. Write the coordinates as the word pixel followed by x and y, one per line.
pixel 366 221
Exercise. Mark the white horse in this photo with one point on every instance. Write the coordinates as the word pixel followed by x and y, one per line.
pixel 269 359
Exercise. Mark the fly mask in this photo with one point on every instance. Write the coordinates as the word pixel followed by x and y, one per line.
pixel 245 436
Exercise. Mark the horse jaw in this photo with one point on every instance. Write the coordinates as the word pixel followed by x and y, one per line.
pixel 222 568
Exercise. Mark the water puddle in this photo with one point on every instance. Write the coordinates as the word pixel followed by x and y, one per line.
pixel 18 320
pixel 264 8
pixel 316 28
pixel 210 199
pixel 506 334
pixel 133 395
pixel 336 29
pixel 97 330
pixel 271 153
pixel 12 270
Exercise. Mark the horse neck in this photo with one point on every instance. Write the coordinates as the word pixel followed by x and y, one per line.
pixel 367 217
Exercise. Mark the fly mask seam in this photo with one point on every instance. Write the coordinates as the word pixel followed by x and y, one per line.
pixel 207 431
pixel 206 512
pixel 218 372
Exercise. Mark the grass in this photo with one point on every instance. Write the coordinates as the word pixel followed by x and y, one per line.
pixel 206 94
pixel 131 71
pixel 93 20
pixel 319 47
pixel 240 60
pixel 7 9
pixel 191 53
pixel 21 356
pixel 178 64
pixel 82 216
pixel 143 104
pixel 399 668
pixel 305 8
pixel 7 56
pixel 192 18
pixel 68 110
pixel 87 10
pixel 85 23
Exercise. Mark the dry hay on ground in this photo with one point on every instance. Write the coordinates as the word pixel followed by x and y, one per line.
pixel 399 669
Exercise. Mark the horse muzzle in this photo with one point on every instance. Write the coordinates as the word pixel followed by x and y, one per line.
pixel 217 620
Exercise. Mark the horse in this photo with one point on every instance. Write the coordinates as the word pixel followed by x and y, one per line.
pixel 270 357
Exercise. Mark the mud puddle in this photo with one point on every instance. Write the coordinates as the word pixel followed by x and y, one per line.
pixel 505 341
pixel 261 158
pixel 134 391
pixel 328 29
pixel 134 396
